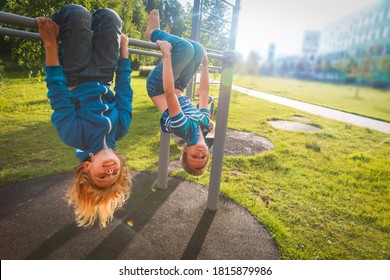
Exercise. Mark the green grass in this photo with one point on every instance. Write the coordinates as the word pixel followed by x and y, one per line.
pixel 370 102
pixel 319 194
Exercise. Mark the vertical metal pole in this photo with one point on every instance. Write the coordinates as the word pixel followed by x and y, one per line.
pixel 233 31
pixel 196 14
pixel 195 37
pixel 220 130
pixel 163 161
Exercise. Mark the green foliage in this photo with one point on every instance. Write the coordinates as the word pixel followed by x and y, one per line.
pixel 145 70
pixel 214 11
pixel 373 69
pixel 31 53
pixel 171 15
pixel 365 67
pixel 384 65
pixel 174 18
pixel 326 65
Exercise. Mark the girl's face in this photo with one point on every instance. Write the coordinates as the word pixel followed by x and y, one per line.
pixel 104 168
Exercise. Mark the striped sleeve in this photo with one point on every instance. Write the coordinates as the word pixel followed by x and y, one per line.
pixel 179 121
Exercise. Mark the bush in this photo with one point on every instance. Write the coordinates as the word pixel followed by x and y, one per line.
pixel 145 70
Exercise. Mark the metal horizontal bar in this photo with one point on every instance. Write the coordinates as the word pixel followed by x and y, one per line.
pixel 214 97
pixel 216 34
pixel 19 33
pixel 226 2
pixel 223 19
pixel 23 21
pixel 17 20
pixel 32 35
pixel 213 51
pixel 143 44
pixel 215 56
pixel 142 52
pixel 133 42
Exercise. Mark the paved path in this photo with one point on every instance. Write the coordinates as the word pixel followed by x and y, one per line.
pixel 171 224
pixel 320 111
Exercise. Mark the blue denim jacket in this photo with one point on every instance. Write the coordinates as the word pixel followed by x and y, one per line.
pixel 90 117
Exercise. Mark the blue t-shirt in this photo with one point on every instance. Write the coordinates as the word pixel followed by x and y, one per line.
pixel 186 123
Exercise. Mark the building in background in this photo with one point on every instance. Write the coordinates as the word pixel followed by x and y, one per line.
pixel 310 44
pixel 354 49
pixel 356 35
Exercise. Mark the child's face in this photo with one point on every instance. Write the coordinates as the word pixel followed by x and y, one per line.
pixel 104 168
pixel 197 155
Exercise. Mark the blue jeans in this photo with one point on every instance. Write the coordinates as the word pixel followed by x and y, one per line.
pixel 186 58
pixel 88 43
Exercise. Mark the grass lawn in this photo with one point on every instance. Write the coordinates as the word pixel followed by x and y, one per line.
pixel 320 194
pixel 374 103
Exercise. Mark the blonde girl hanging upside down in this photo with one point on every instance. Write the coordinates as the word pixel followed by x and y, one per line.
pixel 83 51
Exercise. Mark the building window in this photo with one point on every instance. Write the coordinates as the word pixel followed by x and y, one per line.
pixel 377 34
pixel 385 32
pixel 381 16
pixel 366 21
pixel 373 17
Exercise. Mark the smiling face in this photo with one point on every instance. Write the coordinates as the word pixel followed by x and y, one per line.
pixel 104 168
pixel 197 155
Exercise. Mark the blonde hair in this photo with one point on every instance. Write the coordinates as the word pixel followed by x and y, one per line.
pixel 190 170
pixel 90 201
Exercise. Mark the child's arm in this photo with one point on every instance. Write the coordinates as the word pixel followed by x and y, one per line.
pixel 168 79
pixel 49 32
pixel 124 92
pixel 204 84
pixel 124 46
pixel 64 117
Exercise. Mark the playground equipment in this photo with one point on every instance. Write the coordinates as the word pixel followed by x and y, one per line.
pixel 227 59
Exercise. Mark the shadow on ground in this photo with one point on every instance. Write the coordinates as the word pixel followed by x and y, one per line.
pixel 37 223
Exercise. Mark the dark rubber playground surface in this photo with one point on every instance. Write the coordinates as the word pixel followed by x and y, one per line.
pixel 37 223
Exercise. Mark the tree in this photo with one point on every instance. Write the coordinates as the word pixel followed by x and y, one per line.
pixel 239 65
pixel 384 72
pixel 384 65
pixel 171 15
pixel 351 70
pixel 364 72
pixel 214 16
pixel 326 66
pixel 252 66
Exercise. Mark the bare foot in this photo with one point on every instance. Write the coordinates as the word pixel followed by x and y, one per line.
pixel 153 23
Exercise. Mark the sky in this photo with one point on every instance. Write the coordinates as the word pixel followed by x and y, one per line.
pixel 283 22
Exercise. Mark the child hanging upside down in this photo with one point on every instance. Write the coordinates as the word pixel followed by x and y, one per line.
pixel 83 51
pixel 165 86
